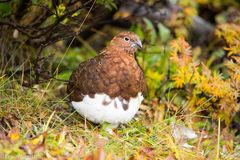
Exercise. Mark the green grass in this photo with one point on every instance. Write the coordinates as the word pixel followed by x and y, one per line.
pixel 38 123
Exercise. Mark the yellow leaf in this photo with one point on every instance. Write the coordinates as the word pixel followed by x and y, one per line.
pixel 14 134
pixel 38 140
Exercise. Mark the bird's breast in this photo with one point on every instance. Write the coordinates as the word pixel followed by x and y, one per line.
pixel 102 108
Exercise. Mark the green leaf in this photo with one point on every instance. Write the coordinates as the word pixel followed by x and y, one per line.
pixel 35 1
pixel 64 75
pixel 5 9
pixel 164 33
pixel 151 30
pixel 109 4
pixel 138 30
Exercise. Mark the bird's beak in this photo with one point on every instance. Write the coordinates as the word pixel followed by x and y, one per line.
pixel 138 44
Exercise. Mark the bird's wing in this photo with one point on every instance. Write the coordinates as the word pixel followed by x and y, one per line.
pixel 90 77
pixel 110 74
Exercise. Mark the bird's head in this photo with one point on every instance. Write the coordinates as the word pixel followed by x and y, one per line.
pixel 128 41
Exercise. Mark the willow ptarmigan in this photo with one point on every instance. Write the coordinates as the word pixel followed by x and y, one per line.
pixel 109 87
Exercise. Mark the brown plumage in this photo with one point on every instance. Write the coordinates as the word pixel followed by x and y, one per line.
pixel 114 71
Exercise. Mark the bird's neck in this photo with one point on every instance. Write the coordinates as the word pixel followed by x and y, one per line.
pixel 120 50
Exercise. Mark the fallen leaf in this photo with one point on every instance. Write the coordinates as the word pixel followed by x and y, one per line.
pixel 13 135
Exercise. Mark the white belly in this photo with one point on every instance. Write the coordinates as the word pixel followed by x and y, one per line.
pixel 96 111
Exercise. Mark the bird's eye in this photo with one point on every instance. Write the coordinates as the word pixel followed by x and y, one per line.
pixel 126 39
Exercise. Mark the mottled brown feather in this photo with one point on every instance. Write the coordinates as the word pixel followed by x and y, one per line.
pixel 114 72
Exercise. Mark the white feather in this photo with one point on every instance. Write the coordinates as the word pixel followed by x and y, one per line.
pixel 94 110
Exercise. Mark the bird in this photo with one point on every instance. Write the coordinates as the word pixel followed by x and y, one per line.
pixel 110 86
